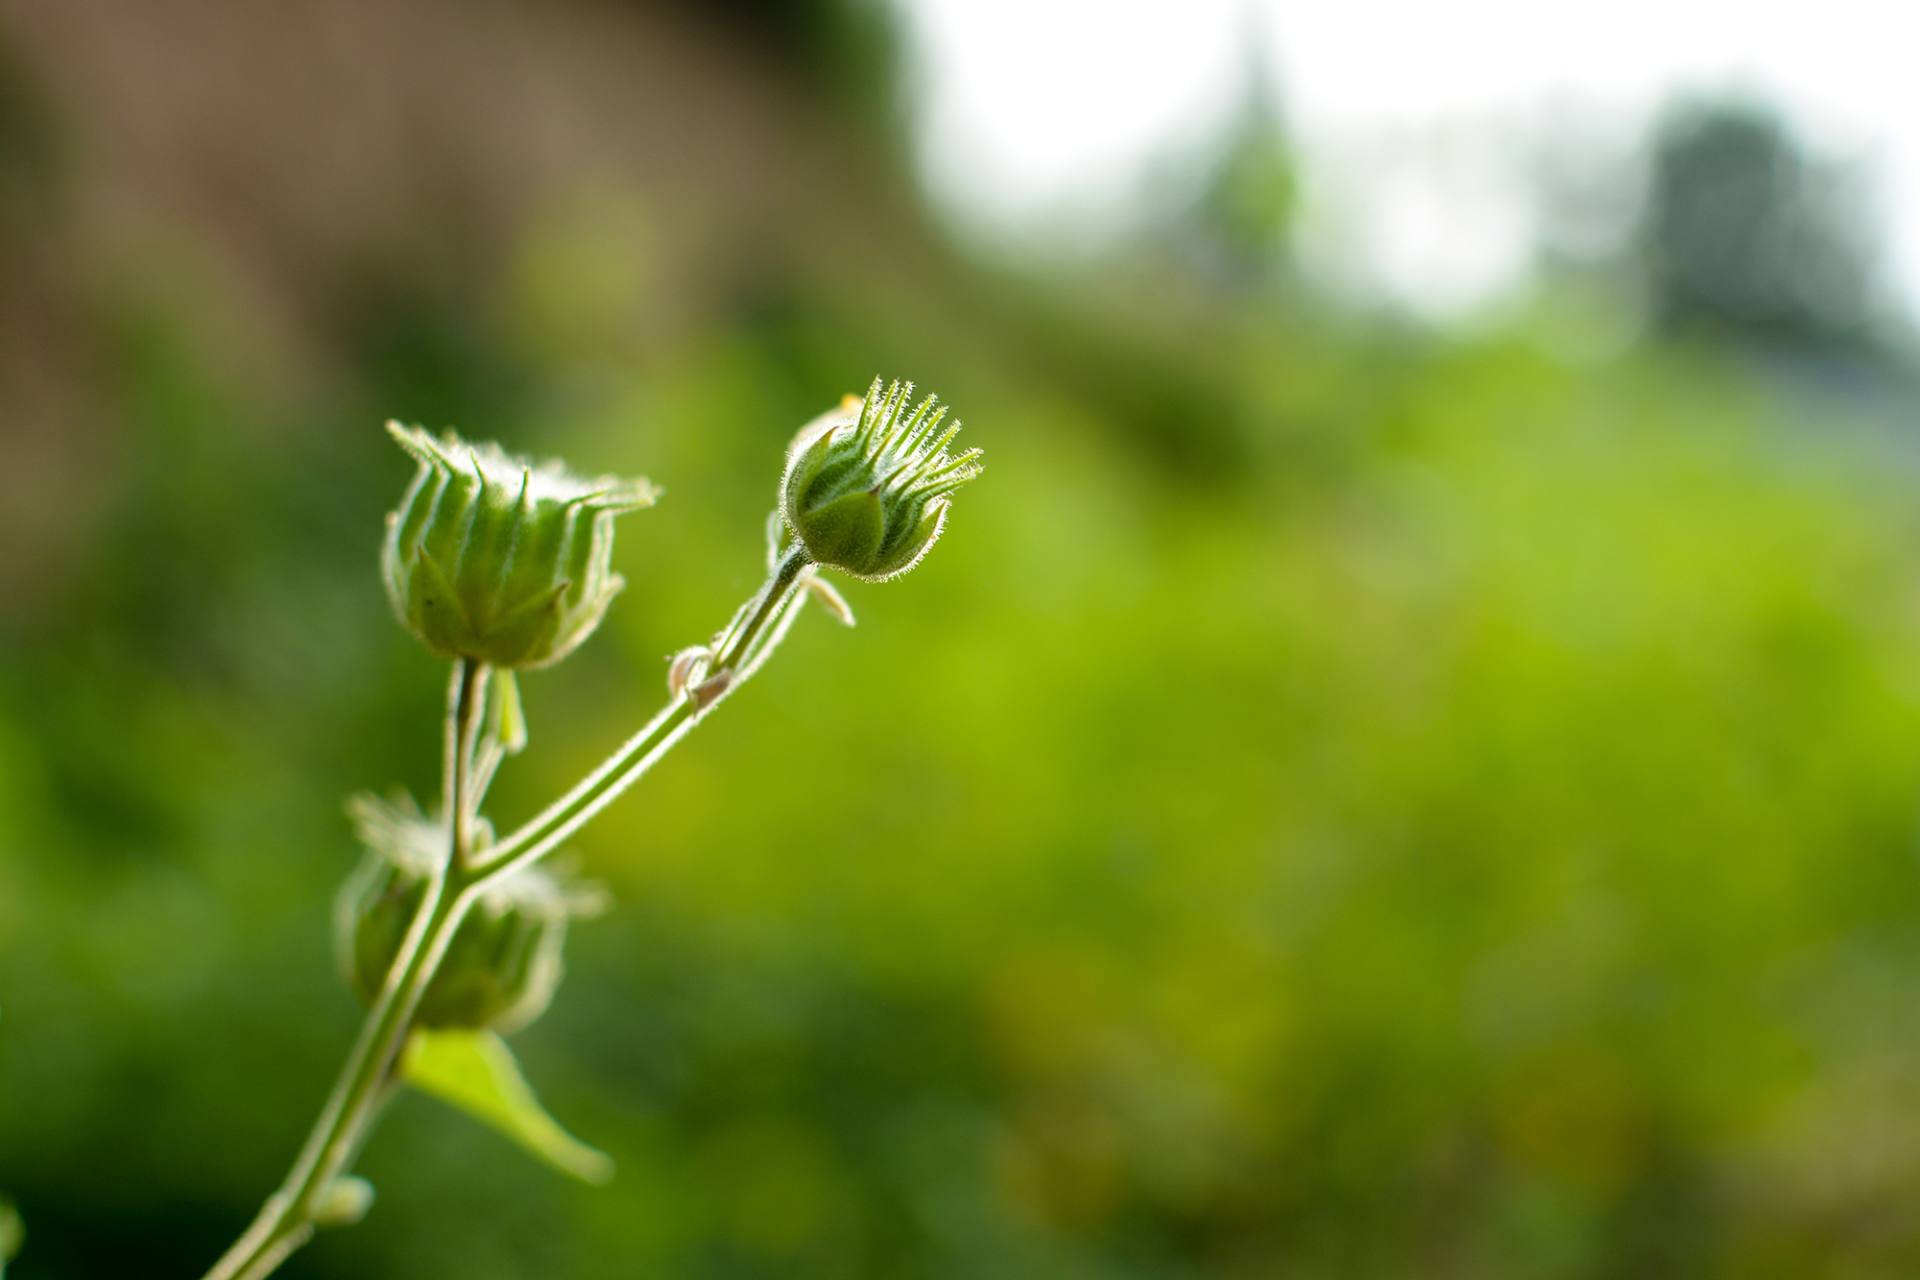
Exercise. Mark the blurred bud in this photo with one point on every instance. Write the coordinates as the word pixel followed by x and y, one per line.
pixel 504 961
pixel 867 487
pixel 344 1202
pixel 13 1232
pixel 492 558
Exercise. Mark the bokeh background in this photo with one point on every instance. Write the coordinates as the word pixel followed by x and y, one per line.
pixel 1378 781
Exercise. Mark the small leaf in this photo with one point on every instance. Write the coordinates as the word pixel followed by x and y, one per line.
pixel 13 1233
pixel 510 720
pixel 836 604
pixel 476 1072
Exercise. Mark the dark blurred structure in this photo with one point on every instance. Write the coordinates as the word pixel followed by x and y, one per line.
pixel 1238 228
pixel 1749 235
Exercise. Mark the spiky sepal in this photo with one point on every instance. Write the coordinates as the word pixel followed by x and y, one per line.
pixel 498 559
pixel 867 487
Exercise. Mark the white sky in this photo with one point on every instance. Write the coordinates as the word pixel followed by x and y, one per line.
pixel 1034 111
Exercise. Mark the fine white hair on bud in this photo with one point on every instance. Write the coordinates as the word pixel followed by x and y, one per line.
pixel 867 486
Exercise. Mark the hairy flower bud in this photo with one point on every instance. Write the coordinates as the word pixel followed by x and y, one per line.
pixel 493 558
pixel 867 487
pixel 504 961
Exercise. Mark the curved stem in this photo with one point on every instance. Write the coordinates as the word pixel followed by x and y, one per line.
pixel 287 1220
pixel 756 630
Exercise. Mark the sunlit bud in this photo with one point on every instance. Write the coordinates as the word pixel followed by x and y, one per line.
pixel 867 487
pixel 494 558
pixel 504 961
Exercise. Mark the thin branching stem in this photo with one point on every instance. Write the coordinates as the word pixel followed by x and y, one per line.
pixel 748 641
pixel 287 1220
pixel 464 794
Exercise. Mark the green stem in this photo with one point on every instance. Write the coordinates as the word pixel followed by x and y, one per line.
pixel 287 1220
pixel 756 630
pixel 463 791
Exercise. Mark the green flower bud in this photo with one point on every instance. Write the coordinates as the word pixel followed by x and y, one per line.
pixel 501 968
pixel 866 489
pixel 492 558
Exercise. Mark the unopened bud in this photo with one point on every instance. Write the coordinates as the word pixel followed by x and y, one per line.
pixel 503 963
pixel 492 558
pixel 867 487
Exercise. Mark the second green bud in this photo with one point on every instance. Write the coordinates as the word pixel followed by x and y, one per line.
pixel 502 966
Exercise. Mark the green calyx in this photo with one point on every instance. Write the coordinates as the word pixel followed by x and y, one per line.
pixel 867 488
pixel 493 558
pixel 502 966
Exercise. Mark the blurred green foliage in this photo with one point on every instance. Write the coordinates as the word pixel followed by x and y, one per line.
pixel 1339 802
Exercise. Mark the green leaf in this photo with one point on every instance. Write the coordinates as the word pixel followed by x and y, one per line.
pixel 13 1233
pixel 510 720
pixel 476 1072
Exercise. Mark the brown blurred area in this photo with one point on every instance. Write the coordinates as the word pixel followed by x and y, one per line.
pixel 287 162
